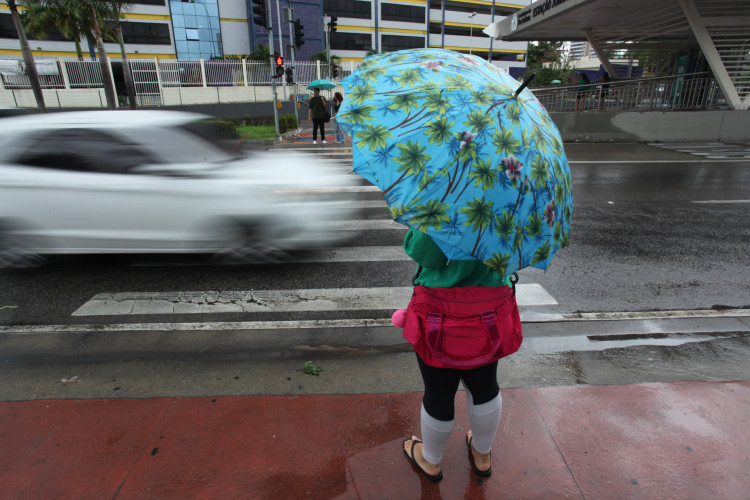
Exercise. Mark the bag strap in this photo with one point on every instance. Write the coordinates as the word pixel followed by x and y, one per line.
pixel 416 275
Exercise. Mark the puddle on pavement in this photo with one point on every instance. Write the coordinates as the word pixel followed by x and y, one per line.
pixel 550 345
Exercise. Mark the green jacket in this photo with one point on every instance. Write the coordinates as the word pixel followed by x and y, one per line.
pixel 317 107
pixel 437 271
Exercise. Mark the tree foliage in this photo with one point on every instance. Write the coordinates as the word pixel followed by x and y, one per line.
pixel 549 62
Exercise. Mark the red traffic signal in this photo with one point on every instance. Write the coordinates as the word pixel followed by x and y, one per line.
pixel 279 61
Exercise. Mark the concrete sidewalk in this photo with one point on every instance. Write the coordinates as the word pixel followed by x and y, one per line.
pixel 686 440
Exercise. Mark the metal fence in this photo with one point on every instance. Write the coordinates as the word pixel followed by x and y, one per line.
pixel 74 73
pixel 695 91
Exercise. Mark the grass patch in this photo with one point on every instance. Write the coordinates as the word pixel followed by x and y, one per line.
pixel 257 132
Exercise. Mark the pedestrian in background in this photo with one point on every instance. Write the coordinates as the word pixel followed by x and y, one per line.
pixel 337 100
pixel 583 81
pixel 317 113
pixel 604 89
pixel 483 400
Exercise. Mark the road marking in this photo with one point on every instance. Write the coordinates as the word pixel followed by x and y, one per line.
pixel 365 204
pixel 260 301
pixel 628 162
pixel 358 189
pixel 385 322
pixel 322 255
pixel 362 224
pixel 625 315
pixel 720 201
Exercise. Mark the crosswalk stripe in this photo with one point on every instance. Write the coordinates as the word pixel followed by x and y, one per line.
pixel 260 301
pixel 354 254
pixel 362 224
pixel 365 204
pixel 322 255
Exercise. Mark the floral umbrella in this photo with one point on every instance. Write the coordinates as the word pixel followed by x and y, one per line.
pixel 460 156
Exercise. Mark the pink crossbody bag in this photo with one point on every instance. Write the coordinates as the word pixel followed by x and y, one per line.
pixel 463 327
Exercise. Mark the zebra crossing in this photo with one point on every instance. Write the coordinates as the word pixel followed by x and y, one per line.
pixel 710 150
pixel 320 301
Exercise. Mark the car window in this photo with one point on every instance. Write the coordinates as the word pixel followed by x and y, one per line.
pixel 83 150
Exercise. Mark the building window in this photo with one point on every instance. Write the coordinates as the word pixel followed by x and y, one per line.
pixel 406 13
pixel 348 8
pixel 436 29
pixel 394 42
pixel 197 29
pixel 145 33
pixel 351 41
pixel 8 30
pixel 479 9
pixel 150 2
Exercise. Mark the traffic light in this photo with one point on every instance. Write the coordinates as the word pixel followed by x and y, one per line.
pixel 332 24
pixel 261 15
pixel 299 36
pixel 289 76
pixel 279 66
pixel 334 71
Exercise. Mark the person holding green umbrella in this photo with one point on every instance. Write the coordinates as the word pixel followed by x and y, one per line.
pixel 317 113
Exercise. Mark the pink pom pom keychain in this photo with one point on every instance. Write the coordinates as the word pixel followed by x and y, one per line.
pixel 399 318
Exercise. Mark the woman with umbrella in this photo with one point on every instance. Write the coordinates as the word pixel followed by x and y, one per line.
pixel 473 164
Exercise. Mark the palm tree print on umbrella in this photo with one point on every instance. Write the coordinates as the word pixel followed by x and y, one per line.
pixel 459 156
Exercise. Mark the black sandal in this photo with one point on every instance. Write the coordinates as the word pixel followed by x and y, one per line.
pixel 410 458
pixel 480 473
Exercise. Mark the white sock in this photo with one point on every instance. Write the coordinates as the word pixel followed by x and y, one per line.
pixel 435 434
pixel 484 420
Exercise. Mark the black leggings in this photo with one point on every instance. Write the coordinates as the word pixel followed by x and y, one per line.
pixel 441 384
pixel 319 122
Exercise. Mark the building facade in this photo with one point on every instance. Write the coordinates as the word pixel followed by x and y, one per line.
pixel 206 29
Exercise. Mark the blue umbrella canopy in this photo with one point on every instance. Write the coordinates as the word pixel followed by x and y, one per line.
pixel 461 157
pixel 321 84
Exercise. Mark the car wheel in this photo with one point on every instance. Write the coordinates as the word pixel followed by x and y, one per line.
pixel 248 244
pixel 15 253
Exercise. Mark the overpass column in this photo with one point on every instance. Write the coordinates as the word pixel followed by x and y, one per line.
pixel 712 55
pixel 599 48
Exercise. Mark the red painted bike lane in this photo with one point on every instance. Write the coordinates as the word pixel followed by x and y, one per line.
pixel 667 440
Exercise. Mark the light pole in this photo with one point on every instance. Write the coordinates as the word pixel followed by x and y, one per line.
pixel 471 29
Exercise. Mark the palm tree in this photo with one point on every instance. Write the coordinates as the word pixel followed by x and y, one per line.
pixel 117 8
pixel 505 225
pixel 479 216
pixel 505 142
pixel 499 262
pixel 413 161
pixel 361 93
pixel 431 214
pixel 99 9
pixel 439 130
pixel 436 102
pixel 373 136
pixel 43 16
pixel 28 57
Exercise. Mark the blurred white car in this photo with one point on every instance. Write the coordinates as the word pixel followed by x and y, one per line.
pixel 142 181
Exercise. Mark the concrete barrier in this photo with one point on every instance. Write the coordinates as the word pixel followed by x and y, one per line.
pixel 654 126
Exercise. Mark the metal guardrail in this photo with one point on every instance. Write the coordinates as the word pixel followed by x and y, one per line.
pixel 694 91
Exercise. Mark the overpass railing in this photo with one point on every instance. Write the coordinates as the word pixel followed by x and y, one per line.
pixel 694 91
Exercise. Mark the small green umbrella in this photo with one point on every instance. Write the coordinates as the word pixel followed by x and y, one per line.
pixel 321 84
pixel 555 81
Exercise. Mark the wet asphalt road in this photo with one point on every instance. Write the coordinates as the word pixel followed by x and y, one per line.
pixel 654 230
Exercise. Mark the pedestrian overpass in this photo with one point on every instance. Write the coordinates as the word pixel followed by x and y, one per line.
pixel 714 31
